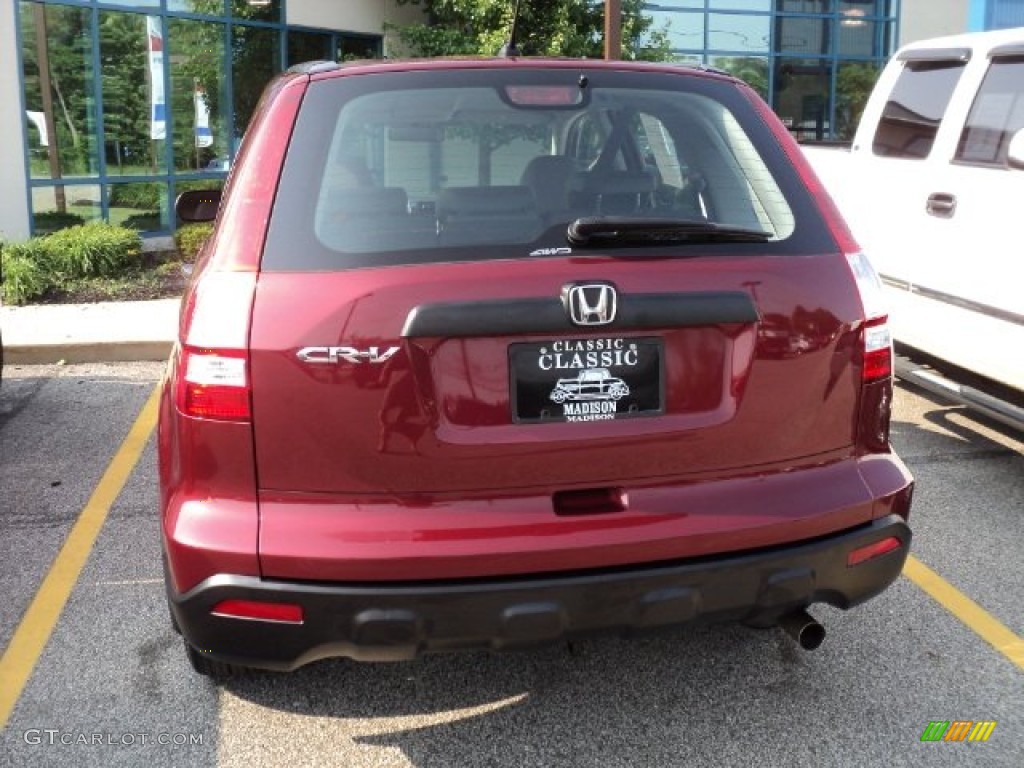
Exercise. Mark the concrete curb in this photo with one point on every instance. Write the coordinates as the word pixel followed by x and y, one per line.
pixel 90 352
pixel 89 333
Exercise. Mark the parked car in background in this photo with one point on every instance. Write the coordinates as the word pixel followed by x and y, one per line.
pixel 219 164
pixel 360 450
pixel 932 188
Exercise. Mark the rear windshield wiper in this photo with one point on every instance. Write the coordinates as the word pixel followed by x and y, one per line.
pixel 624 229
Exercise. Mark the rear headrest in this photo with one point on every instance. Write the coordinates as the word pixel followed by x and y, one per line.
pixel 375 201
pixel 548 176
pixel 485 201
pixel 616 182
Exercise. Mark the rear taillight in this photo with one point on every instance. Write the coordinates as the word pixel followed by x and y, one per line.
pixel 871 551
pixel 876 358
pixel 876 340
pixel 877 351
pixel 214 384
pixel 257 610
pixel 213 370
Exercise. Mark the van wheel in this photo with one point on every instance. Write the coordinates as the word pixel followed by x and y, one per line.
pixel 216 670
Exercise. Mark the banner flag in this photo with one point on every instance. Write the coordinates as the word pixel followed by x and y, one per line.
pixel 158 104
pixel 204 137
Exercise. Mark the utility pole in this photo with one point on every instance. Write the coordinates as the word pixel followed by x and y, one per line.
pixel 613 29
pixel 46 89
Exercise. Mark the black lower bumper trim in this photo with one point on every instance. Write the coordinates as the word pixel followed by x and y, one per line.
pixel 395 622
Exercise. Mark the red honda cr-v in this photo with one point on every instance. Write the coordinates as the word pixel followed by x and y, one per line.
pixel 484 354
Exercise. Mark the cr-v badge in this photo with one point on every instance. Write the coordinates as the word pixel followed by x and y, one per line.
pixel 348 354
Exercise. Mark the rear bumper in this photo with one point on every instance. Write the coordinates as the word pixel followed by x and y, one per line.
pixel 399 621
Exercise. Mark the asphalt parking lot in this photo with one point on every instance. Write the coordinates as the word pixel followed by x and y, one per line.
pixel 100 680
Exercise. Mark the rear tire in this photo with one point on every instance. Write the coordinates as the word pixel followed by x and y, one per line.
pixel 208 667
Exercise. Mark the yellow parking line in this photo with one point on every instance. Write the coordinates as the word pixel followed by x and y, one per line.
pixel 32 634
pixel 980 621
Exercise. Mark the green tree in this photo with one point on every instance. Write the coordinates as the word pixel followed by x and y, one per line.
pixel 123 57
pixel 546 28
pixel 750 69
pixel 853 86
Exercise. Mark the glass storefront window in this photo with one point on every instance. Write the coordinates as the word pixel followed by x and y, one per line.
pixel 802 96
pixel 135 4
pixel 198 116
pixel 256 10
pixel 308 46
pixel 854 81
pixel 737 32
pixel 58 76
pixel 741 5
pixel 685 30
pixel 689 59
pixel 165 70
pixel 804 6
pixel 803 34
pixel 858 37
pixel 864 7
pixel 255 53
pixel 753 70
pixel 204 7
pixel 140 205
pixel 133 132
pixel 65 205
pixel 358 47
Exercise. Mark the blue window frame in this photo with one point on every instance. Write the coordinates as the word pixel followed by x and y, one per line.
pixel 810 59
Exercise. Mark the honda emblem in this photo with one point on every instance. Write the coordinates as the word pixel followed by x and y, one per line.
pixel 590 303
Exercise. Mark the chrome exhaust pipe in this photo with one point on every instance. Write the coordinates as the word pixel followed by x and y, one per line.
pixel 803 628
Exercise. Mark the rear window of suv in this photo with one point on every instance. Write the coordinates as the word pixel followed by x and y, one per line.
pixel 456 164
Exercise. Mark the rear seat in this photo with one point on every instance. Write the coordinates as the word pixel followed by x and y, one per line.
pixel 479 215
pixel 614 192
pixel 360 219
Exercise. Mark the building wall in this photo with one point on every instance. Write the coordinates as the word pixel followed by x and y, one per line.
pixel 367 16
pixel 922 19
pixel 13 190
pixel 1004 14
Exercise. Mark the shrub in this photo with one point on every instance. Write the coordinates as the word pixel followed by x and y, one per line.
pixel 141 194
pixel 51 221
pixel 143 222
pixel 93 250
pixel 24 270
pixel 190 238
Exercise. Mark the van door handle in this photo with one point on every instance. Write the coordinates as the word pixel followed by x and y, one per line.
pixel 941 204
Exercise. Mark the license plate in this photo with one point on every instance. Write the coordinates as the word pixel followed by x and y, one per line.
pixel 585 380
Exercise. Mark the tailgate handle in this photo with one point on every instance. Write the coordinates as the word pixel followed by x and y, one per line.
pixel 590 501
pixel 941 204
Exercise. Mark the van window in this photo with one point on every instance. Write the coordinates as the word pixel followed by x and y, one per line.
pixel 996 115
pixel 915 108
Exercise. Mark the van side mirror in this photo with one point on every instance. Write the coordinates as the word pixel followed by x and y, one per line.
pixel 1015 152
pixel 197 205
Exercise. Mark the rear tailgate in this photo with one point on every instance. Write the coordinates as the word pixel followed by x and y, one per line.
pixel 431 397
pixel 346 405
